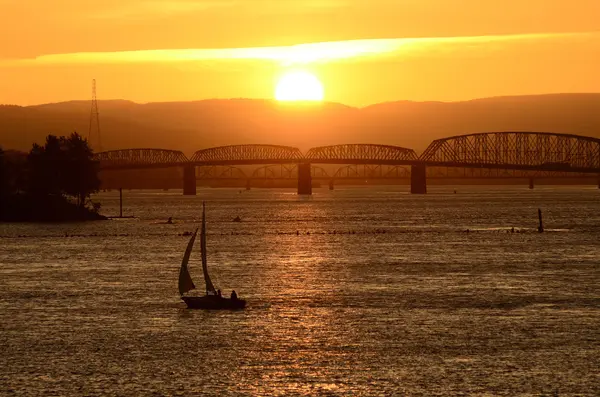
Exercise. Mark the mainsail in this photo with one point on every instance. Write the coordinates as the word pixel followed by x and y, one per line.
pixel 185 280
pixel 209 285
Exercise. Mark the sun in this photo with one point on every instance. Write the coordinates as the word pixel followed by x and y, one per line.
pixel 299 86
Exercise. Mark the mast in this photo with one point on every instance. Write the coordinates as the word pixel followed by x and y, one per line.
pixel 209 285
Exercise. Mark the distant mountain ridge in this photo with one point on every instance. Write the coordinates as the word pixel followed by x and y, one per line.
pixel 190 126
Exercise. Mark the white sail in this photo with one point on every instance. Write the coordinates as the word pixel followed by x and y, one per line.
pixel 209 285
pixel 185 280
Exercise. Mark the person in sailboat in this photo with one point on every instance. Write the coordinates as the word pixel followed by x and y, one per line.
pixel 219 293
pixel 233 295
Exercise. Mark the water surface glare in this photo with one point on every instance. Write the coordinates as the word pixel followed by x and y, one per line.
pixel 357 291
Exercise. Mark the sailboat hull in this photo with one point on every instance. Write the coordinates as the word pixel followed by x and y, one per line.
pixel 210 302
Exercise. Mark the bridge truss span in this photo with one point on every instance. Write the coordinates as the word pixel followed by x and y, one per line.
pixel 361 153
pixel 287 171
pixel 369 172
pixel 280 171
pixel 140 158
pixel 247 154
pixel 516 150
pixel 220 172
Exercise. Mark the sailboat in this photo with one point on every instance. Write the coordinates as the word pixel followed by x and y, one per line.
pixel 212 299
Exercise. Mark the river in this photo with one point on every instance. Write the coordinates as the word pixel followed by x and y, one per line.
pixel 360 291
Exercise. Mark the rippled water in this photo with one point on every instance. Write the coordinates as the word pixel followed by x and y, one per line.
pixel 359 291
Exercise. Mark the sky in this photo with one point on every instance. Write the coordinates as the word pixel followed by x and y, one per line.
pixel 362 51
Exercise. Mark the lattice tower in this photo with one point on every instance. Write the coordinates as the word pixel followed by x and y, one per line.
pixel 94 137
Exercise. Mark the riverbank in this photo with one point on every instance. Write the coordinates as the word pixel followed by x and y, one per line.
pixel 25 208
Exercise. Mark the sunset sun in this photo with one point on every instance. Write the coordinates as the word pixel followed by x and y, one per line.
pixel 299 86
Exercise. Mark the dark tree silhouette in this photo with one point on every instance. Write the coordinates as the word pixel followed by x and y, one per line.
pixel 13 167
pixel 44 168
pixel 64 166
pixel 80 176
pixel 51 183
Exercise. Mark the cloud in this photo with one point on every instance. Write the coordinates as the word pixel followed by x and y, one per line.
pixel 303 54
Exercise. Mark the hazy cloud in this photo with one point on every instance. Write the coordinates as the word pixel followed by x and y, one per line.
pixel 353 50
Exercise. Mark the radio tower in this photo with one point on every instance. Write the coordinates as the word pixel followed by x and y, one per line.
pixel 94 122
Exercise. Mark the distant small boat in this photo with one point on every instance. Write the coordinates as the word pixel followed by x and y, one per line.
pixel 237 219
pixel 212 300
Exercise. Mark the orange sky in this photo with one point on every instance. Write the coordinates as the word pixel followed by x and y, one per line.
pixel 433 49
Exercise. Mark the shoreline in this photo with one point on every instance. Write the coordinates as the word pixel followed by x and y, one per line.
pixel 50 209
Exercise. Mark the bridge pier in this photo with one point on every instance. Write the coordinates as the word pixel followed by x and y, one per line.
pixel 189 180
pixel 418 179
pixel 304 179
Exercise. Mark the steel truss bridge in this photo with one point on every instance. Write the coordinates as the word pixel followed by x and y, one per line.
pixel 256 154
pixel 492 154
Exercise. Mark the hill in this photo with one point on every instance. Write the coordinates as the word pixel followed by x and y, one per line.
pixel 190 126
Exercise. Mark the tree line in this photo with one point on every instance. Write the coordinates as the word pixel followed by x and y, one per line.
pixel 53 182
